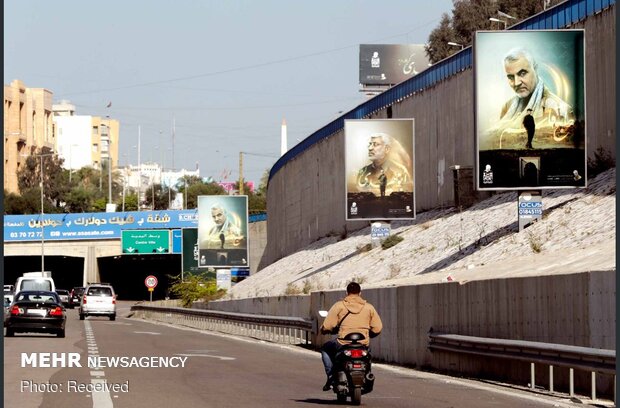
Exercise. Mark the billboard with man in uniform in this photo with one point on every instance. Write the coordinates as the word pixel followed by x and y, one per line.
pixel 530 109
pixel 222 231
pixel 379 169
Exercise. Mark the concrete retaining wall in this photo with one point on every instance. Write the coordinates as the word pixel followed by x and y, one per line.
pixel 577 309
pixel 305 198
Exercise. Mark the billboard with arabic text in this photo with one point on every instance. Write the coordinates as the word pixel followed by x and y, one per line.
pixel 60 227
pixel 223 231
pixel 530 109
pixel 389 64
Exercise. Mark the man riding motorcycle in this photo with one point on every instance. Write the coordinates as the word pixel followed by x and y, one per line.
pixel 351 314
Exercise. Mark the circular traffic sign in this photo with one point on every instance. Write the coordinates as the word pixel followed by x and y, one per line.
pixel 150 281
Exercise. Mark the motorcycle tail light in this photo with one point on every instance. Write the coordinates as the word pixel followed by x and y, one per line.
pixel 16 310
pixel 356 353
pixel 56 311
pixel 357 366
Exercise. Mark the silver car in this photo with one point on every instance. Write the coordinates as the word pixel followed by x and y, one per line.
pixel 98 300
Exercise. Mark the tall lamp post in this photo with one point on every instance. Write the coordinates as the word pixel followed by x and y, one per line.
pixel 497 20
pixel 42 156
pixel 71 160
pixel 109 159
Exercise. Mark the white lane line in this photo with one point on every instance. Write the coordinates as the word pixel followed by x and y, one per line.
pixel 147 332
pixel 206 355
pixel 101 399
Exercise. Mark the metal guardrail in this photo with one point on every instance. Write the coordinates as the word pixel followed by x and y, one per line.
pixel 277 329
pixel 560 355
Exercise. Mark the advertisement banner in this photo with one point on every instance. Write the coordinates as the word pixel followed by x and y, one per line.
pixel 86 226
pixel 389 64
pixel 223 231
pixel 530 109
pixel 379 164
pixel 190 251
pixel 530 208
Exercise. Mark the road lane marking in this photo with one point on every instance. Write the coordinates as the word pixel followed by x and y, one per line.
pixel 101 399
pixel 206 355
pixel 146 332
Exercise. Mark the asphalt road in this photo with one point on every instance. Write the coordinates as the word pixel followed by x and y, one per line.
pixel 220 371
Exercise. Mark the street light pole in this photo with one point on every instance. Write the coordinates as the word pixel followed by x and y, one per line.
pixel 43 155
pixel 42 226
pixel 497 20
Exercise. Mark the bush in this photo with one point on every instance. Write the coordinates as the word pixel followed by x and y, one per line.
pixel 196 287
pixel 601 162
pixel 292 289
pixel 390 241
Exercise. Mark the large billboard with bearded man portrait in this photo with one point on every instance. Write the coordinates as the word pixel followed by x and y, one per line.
pixel 530 109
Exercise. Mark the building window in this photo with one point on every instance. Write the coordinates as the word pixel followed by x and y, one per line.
pixel 95 147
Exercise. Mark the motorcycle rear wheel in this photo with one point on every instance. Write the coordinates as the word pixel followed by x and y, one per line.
pixel 356 396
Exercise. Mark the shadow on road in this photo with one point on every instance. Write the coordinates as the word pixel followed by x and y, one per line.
pixel 319 401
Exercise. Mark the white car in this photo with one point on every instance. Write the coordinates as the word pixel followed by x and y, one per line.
pixel 98 300
pixel 9 292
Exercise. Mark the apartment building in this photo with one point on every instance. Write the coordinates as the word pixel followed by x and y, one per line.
pixel 84 140
pixel 28 126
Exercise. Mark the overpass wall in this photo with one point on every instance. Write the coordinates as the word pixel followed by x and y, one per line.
pixel 90 250
pixel 576 309
pixel 306 191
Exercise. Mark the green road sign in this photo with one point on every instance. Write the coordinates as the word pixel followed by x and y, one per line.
pixel 145 241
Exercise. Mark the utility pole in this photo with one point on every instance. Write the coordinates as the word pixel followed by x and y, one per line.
pixel 139 170
pixel 240 173
pixel 42 155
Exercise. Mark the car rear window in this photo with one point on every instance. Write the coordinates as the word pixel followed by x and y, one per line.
pixel 99 292
pixel 30 297
pixel 36 284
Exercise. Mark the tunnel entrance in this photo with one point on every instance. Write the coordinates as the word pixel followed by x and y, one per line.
pixel 126 273
pixel 67 271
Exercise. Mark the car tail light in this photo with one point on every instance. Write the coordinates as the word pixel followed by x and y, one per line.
pixel 114 299
pixel 16 310
pixel 356 353
pixel 84 299
pixel 57 311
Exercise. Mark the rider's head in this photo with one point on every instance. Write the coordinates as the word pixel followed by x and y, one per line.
pixel 353 288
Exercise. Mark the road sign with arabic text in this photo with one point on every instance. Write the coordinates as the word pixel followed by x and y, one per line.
pixel 145 241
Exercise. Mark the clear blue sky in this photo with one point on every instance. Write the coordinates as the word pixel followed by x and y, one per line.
pixel 227 71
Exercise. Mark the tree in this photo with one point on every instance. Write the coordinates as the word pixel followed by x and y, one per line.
pixel 55 185
pixel 195 287
pixel 264 180
pixel 196 190
pixel 162 195
pixel 468 16
pixel 437 47
pixel 80 199
pixel 131 202
pixel 14 203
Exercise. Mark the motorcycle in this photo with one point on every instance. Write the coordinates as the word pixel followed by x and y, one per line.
pixel 352 376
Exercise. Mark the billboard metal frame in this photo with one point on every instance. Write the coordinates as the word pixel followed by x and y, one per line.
pixel 412 158
pixel 477 127
pixel 220 253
